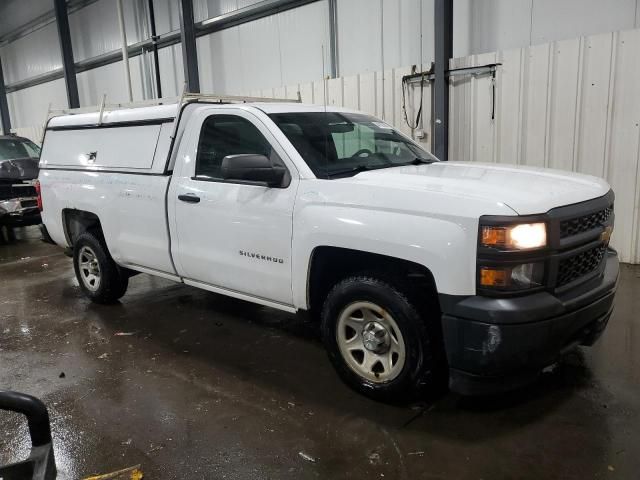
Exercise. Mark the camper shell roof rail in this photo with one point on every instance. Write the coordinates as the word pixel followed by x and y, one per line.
pixel 176 102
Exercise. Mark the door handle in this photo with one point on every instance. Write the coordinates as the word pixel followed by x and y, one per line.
pixel 189 198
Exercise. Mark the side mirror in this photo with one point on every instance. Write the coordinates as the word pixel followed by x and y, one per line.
pixel 252 169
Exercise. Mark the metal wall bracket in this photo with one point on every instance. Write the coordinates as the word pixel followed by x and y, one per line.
pixel 489 69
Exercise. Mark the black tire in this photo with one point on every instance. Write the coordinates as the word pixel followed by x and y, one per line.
pixel 113 281
pixel 422 373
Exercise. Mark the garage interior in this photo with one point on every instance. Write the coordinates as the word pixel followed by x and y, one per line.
pixel 186 383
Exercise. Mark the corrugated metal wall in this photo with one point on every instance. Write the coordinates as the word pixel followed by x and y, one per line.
pixel 571 105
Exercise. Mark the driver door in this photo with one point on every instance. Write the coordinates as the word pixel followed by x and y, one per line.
pixel 232 237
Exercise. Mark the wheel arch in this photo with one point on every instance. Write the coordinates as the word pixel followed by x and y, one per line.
pixel 329 264
pixel 76 222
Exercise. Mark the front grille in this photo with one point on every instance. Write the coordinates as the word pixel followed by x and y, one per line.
pixel 585 223
pixel 573 268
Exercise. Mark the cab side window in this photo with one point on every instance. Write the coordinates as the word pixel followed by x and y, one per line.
pixel 223 135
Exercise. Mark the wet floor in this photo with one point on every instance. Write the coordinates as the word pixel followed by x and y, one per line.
pixel 195 385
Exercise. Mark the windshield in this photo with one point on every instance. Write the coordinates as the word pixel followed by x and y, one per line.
pixel 343 144
pixel 14 148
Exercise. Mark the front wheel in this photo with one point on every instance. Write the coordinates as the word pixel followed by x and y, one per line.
pixel 378 342
pixel 98 275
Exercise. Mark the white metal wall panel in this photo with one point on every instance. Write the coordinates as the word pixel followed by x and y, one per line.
pixel 624 142
pixel 404 27
pixel 109 80
pixel 594 102
pixel 351 92
pixel 303 31
pixel 408 32
pixel 32 55
pixel 220 7
pixel 460 112
pixel 359 36
pixel 508 132
pixel 535 105
pixel 19 12
pixel 261 61
pixel 220 62
pixel 28 107
pixel 564 88
pixel 167 15
pixel 95 30
pixel 493 24
pixel 571 104
pixel 489 25
pixel 560 19
pixel 172 79
pixel 306 92
pixel 281 49
pixel 335 92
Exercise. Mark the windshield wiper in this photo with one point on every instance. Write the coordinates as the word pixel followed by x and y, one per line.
pixel 355 170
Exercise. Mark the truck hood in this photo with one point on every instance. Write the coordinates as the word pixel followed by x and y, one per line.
pixel 19 169
pixel 526 190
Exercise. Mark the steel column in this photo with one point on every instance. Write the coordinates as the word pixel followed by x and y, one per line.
pixel 62 19
pixel 333 33
pixel 5 118
pixel 154 45
pixel 443 21
pixel 189 52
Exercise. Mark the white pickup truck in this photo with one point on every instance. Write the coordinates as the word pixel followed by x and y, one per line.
pixel 421 272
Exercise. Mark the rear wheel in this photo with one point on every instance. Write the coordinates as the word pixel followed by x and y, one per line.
pixel 98 275
pixel 378 341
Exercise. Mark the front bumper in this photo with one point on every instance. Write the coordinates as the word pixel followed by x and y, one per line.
pixel 497 344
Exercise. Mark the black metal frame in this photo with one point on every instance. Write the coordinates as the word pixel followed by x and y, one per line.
pixel 333 33
pixel 443 22
pixel 66 49
pixel 189 51
pixel 5 118
pixel 154 48
pixel 40 465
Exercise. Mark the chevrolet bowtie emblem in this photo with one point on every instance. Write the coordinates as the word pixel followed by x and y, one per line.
pixel 605 236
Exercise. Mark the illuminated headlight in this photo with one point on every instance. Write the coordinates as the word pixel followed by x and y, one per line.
pixel 10 206
pixel 523 236
pixel 513 277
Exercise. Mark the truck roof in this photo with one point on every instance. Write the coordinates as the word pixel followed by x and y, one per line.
pixel 169 112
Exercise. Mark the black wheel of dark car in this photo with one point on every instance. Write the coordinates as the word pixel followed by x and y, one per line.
pixel 377 340
pixel 99 276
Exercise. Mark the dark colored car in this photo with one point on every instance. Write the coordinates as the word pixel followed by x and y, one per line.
pixel 18 173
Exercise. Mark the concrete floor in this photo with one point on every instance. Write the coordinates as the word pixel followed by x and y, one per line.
pixel 211 387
